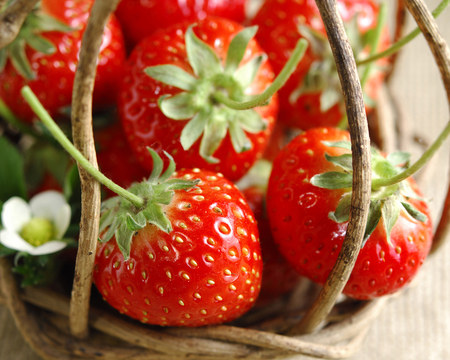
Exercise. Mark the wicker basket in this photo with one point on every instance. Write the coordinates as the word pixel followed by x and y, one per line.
pixel 321 324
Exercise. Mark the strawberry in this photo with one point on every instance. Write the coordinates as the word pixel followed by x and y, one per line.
pixel 279 277
pixel 312 97
pixel 169 99
pixel 190 257
pixel 113 156
pixel 46 52
pixel 140 18
pixel 308 204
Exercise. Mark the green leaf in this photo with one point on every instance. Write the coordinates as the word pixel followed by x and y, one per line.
pixel 338 144
pixel 136 221
pixel 124 236
pixel 239 140
pixel 343 161
pixel 177 107
pixel 202 57
pixel 180 184
pixel 373 219
pixel 342 212
pixel 245 74
pixel 12 178
pixel 412 211
pixel 399 158
pixel 250 121
pixel 158 165
pixel 237 48
pixel 154 215
pixel 213 135
pixel 390 212
pixel 194 129
pixel 328 98
pixel 384 168
pixel 170 169
pixel 41 44
pixel 19 59
pixel 332 180
pixel 172 75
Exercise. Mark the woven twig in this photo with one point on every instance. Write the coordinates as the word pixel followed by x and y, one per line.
pixel 83 139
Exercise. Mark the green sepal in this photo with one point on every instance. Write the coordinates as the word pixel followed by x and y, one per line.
pixel 239 140
pixel 338 144
pixel 398 158
pixel 193 129
pixel 121 219
pixel 413 212
pixel 237 47
pixel 177 107
pixel 342 212
pixel 202 57
pixel 213 134
pixel 245 75
pixel 171 75
pixel 250 121
pixel 344 161
pixel 373 218
pixel 332 180
pixel 30 35
pixel 390 212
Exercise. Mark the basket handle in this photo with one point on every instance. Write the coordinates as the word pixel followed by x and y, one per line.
pixel 83 139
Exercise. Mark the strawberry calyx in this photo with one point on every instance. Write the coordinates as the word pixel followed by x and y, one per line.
pixel 35 23
pixel 386 202
pixel 198 101
pixel 322 76
pixel 121 218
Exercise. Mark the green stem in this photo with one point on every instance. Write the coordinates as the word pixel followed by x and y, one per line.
pixel 403 41
pixel 279 81
pixel 8 115
pixel 377 183
pixel 375 42
pixel 44 116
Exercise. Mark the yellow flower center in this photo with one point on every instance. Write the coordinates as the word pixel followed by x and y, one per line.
pixel 38 231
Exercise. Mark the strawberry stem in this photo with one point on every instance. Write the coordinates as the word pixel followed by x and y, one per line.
pixel 382 15
pixel 378 183
pixel 403 41
pixel 279 81
pixel 62 139
pixel 11 118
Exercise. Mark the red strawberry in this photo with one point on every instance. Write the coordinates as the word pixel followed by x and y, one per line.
pixel 45 57
pixel 180 113
pixel 114 156
pixel 279 277
pixel 193 259
pixel 312 97
pixel 309 214
pixel 140 18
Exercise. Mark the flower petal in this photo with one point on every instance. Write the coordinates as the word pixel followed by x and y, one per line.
pixel 13 241
pixel 48 248
pixel 53 206
pixel 15 214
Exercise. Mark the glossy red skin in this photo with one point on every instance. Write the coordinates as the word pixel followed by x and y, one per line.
pixel 279 277
pixel 145 125
pixel 115 158
pixel 170 279
pixel 55 73
pixel 140 18
pixel 278 34
pixel 310 241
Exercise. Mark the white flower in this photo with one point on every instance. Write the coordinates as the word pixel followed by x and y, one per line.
pixel 35 228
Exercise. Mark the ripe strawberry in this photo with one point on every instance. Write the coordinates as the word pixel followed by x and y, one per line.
pixel 177 110
pixel 113 156
pixel 279 277
pixel 309 213
pixel 312 97
pixel 45 57
pixel 140 18
pixel 190 258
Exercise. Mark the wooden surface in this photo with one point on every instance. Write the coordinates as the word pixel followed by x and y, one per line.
pixel 415 324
